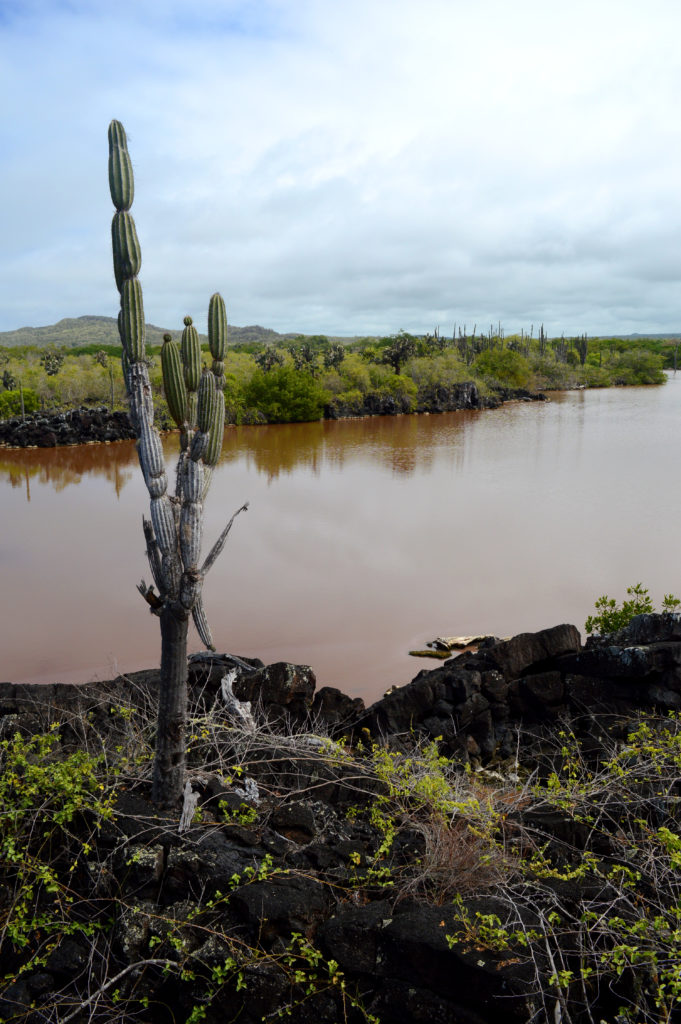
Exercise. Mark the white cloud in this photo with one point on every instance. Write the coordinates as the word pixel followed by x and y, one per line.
pixel 348 168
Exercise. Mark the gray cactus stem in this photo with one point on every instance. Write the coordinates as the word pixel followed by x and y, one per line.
pixel 169 762
pixel 201 623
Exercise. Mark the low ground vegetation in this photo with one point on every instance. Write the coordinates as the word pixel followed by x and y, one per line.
pixel 562 869
pixel 261 387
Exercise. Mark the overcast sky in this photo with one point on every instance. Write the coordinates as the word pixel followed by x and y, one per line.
pixel 348 166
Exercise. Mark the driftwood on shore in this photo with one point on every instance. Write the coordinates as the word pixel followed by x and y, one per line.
pixel 442 647
pixel 458 643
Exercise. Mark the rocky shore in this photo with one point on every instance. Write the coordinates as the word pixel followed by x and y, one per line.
pixel 432 399
pixel 414 861
pixel 78 426
pixel 85 425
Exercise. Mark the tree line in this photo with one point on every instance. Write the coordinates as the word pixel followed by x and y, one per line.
pixel 300 379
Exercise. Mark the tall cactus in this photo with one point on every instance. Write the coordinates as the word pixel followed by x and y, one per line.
pixel 173 531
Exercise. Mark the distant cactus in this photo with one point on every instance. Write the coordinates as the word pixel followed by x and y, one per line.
pixel 304 357
pixel 173 532
pixel 582 346
pixel 268 359
pixel 334 356
pixel 52 362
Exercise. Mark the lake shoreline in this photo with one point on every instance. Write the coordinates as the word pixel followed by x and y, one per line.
pixel 98 425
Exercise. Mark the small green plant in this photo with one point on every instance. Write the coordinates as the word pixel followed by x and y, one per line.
pixel 621 930
pixel 456 822
pixel 243 815
pixel 46 797
pixel 486 931
pixel 10 402
pixel 611 616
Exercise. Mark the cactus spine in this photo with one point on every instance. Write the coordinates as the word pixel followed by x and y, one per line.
pixel 173 532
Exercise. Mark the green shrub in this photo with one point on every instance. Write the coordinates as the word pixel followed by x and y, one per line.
pixel 284 395
pixel 638 368
pixel 234 399
pixel 10 403
pixel 351 401
pixel 504 366
pixel 399 386
pixel 596 376
pixel 552 375
pixel 439 370
pixel 611 617
pixel 385 382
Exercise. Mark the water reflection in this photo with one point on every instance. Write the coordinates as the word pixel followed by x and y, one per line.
pixel 403 444
pixel 65 467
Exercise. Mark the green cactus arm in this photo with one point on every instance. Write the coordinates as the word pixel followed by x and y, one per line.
pixel 125 364
pixel 173 380
pixel 217 432
pixel 191 354
pixel 207 412
pixel 127 255
pixel 217 326
pixel 218 371
pixel 132 327
pixel 192 410
pixel 121 181
pixel 198 446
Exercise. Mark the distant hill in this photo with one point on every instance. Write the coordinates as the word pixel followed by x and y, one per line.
pixel 103 330
pixel 653 337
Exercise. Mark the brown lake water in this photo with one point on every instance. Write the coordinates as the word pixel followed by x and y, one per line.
pixel 364 538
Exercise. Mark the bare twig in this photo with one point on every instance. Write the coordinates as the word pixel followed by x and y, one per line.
pixel 113 981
